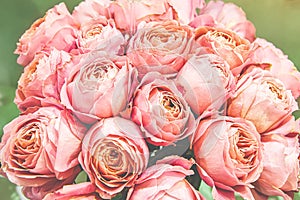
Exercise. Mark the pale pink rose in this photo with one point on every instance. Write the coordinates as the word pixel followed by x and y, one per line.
pixel 206 82
pixel 165 180
pixel 263 100
pixel 83 191
pixel 100 34
pixel 41 148
pixel 161 111
pixel 43 78
pixel 224 43
pixel 90 10
pixel 55 30
pixel 160 46
pixel 113 155
pixel 128 14
pixel 227 16
pixel 279 64
pixel 97 87
pixel 281 166
pixel 229 155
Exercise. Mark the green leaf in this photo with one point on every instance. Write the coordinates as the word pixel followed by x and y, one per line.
pixel 8 110
pixel 81 177
pixel 296 114
pixel 205 190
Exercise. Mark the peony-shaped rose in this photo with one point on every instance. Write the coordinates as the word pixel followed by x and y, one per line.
pixel 224 43
pixel 206 82
pixel 128 14
pixel 165 180
pixel 97 87
pixel 280 66
pixel 263 100
pixel 161 111
pixel 229 155
pixel 100 34
pixel 56 29
pixel 281 166
pixel 43 78
pixel 160 46
pixel 227 16
pixel 41 148
pixel 83 191
pixel 113 154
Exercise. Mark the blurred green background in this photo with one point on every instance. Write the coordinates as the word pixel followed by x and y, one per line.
pixel 276 20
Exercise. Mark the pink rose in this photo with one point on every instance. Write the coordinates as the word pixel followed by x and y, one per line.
pixel 160 46
pixel 165 180
pixel 55 30
pixel 101 35
pixel 128 14
pixel 279 65
pixel 97 87
pixel 84 191
pixel 263 100
pixel 229 155
pixel 227 16
pixel 207 82
pixel 224 43
pixel 41 148
pixel 43 78
pixel 281 166
pixel 161 111
pixel 113 155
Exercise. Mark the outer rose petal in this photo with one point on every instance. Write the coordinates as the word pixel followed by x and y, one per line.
pixel 56 29
pixel 263 100
pixel 165 180
pixel 206 82
pixel 84 191
pixel 280 172
pixel 228 154
pixel 225 15
pixel 43 78
pixel 279 64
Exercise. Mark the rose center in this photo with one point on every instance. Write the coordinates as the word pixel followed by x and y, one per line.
pixel 27 141
pixel 223 38
pixel 95 30
pixel 171 105
pixel 244 149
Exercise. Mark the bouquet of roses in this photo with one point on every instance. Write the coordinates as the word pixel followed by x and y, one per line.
pixel 152 99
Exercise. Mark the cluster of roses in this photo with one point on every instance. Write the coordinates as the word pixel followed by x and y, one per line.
pixel 114 87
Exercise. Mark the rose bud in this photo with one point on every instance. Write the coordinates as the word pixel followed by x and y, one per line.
pixel 41 148
pixel 100 34
pixel 113 155
pixel 263 100
pixel 97 87
pixel 228 153
pixel 160 46
pixel 84 191
pixel 224 43
pixel 279 64
pixel 165 180
pixel 161 111
pixel 43 78
pixel 281 166
pixel 207 82
pixel 227 16
pixel 55 30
